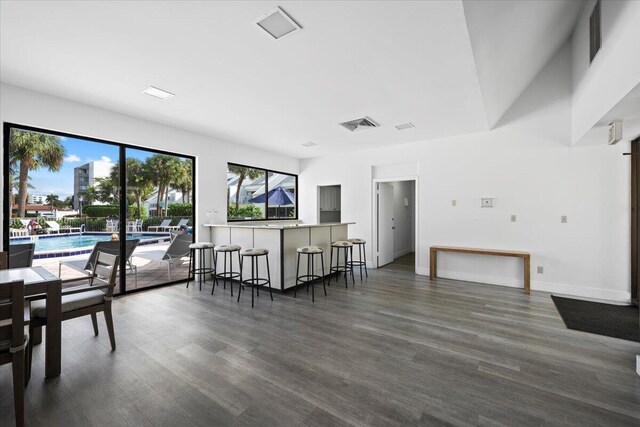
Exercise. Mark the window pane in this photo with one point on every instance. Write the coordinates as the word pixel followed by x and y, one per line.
pixel 245 193
pixel 282 196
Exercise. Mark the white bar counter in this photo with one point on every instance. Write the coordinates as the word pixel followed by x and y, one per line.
pixel 282 240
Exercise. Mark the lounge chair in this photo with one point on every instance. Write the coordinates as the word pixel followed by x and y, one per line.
pixel 85 266
pixel 163 225
pixel 178 248
pixel 21 255
pixel 18 232
pixel 55 227
pixel 112 225
pixel 180 224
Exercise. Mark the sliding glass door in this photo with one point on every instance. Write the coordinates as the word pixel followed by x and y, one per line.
pixel 159 226
pixel 68 197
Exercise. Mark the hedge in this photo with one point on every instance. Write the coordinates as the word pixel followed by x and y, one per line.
pixel 180 209
pixel 98 211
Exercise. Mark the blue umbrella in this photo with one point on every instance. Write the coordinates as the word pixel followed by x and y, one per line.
pixel 276 197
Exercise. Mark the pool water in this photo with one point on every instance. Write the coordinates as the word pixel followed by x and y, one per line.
pixel 61 243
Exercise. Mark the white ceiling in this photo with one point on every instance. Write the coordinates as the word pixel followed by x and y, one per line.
pixel 392 61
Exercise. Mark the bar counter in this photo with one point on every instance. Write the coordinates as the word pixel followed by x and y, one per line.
pixel 281 240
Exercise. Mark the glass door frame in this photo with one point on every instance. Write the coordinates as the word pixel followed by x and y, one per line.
pixel 7 126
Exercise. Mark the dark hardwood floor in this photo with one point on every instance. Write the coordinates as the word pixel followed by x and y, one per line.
pixel 397 349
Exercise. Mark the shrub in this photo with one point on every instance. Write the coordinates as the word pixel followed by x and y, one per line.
pixel 103 211
pixel 245 211
pixel 180 209
pixel 16 223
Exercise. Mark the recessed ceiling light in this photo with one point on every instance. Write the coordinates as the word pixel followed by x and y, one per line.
pixel 404 126
pixel 158 93
pixel 277 23
pixel 309 144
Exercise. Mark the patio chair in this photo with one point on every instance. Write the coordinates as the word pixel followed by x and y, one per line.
pixel 182 222
pixel 139 225
pixel 13 342
pixel 178 248
pixel 78 301
pixel 21 256
pixel 18 232
pixel 54 227
pixel 163 225
pixel 112 225
pixel 112 247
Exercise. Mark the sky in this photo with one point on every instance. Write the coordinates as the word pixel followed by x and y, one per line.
pixel 78 152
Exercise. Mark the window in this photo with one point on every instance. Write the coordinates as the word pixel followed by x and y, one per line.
pixel 255 194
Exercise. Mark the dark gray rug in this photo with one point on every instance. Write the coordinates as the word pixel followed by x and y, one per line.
pixel 618 321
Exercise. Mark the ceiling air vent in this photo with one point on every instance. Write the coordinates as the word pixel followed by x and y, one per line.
pixel 309 144
pixel 359 124
pixel 404 126
pixel 277 23
pixel 595 37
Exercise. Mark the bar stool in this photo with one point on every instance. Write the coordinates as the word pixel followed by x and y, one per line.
pixel 255 281
pixel 198 251
pixel 346 268
pixel 360 243
pixel 309 278
pixel 228 249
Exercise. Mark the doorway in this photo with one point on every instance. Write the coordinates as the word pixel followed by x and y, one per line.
pixel 329 204
pixel 396 224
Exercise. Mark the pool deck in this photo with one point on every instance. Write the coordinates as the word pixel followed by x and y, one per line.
pixel 149 272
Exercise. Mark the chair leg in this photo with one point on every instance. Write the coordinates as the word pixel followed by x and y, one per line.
pixel 330 265
pixel 364 251
pixel 269 278
pixel 346 257
pixel 323 286
pixel 108 318
pixel 190 267
pixel 240 287
pixel 313 285
pixel 94 320
pixel 257 274
pixel 30 345
pixel 18 386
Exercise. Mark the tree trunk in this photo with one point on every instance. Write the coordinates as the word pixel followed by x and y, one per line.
pixel 159 200
pixel 240 179
pixel 24 183
pixel 139 203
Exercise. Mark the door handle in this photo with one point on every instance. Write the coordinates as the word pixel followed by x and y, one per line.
pixel 393 228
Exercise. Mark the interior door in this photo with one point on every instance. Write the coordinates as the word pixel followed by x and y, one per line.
pixel 385 223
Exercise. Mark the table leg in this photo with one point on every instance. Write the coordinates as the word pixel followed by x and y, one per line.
pixel 433 263
pixel 527 275
pixel 53 342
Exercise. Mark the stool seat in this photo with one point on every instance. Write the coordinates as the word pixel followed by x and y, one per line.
pixel 201 245
pixel 310 250
pixel 358 241
pixel 228 248
pixel 255 252
pixel 341 244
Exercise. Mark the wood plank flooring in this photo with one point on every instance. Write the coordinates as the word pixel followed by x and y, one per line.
pixel 396 349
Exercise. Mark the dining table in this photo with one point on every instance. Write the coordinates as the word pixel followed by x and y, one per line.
pixel 40 283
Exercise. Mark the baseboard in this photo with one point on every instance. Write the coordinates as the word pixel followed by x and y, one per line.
pixel 536 285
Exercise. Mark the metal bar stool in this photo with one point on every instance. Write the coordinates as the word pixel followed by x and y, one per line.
pixel 346 268
pixel 361 262
pixel 309 278
pixel 255 281
pixel 198 251
pixel 228 249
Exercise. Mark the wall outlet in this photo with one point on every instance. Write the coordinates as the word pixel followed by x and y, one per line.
pixel 540 269
pixel 486 202
pixel 563 219
pixel 454 203
pixel 513 218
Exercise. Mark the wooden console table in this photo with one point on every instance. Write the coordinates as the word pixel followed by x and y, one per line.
pixel 526 257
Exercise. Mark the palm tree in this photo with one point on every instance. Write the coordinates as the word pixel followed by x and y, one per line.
pixel 243 172
pixel 137 182
pixel 32 151
pixel 160 170
pixel 183 181
pixel 53 200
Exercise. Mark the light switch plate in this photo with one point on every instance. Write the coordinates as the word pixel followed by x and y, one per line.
pixel 513 218
pixel 487 202
pixel 563 219
pixel 454 203
pixel 540 269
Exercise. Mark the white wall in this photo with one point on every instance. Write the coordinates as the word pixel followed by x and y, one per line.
pixel 529 166
pixel 404 233
pixel 25 107
pixel 597 87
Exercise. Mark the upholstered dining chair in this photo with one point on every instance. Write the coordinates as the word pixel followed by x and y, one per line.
pixel 82 300
pixel 13 341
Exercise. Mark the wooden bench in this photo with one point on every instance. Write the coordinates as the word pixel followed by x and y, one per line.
pixel 526 257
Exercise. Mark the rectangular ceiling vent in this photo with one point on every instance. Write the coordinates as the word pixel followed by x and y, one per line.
pixel 278 24
pixel 359 124
pixel 595 36
pixel 404 126
pixel 309 144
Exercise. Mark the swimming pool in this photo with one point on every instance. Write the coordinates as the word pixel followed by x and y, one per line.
pixel 53 246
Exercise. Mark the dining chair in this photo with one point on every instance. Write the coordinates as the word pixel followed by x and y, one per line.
pixel 21 256
pixel 78 301
pixel 4 260
pixel 13 341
